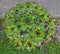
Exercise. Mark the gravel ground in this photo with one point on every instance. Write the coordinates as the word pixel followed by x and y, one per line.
pixel 57 34
pixel 52 6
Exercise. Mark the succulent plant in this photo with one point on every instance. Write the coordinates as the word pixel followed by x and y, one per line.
pixel 28 24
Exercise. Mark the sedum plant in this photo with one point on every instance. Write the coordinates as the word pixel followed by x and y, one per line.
pixel 28 24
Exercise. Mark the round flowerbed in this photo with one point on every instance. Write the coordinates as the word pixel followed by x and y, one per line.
pixel 28 24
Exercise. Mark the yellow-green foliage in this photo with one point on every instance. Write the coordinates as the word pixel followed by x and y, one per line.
pixel 28 24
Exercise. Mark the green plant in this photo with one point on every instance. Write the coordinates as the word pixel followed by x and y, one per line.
pixel 1 29
pixel 52 48
pixel 1 22
pixel 28 24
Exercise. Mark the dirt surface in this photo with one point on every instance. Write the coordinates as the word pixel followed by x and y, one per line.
pixel 57 34
pixel 52 6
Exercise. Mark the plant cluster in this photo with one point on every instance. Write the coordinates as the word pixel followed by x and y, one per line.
pixel 52 47
pixel 1 22
pixel 27 24
pixel 1 30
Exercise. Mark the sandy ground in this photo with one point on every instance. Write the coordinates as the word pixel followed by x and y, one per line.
pixel 52 6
